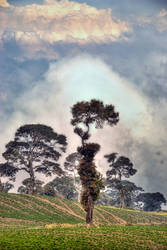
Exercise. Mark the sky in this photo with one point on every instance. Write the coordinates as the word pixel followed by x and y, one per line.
pixel 56 53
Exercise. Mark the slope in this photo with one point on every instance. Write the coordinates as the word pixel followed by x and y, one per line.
pixel 26 211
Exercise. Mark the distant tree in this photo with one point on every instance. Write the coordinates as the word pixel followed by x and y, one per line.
pixel 5 187
pixel 85 115
pixel 1 187
pixel 151 201
pixel 63 187
pixel 104 199
pixel 36 148
pixel 71 163
pixel 132 191
pixel 111 195
pixel 120 167
pixel 49 190
pixel 26 187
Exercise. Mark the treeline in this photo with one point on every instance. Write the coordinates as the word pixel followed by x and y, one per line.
pixel 36 149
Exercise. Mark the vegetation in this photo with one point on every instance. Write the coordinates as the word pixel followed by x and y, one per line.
pixel 22 211
pixel 84 115
pixel 63 187
pixel 71 163
pixel 115 237
pixel 151 201
pixel 46 220
pixel 35 149
pixel 43 222
pixel 26 186
pixel 120 167
pixel 5 187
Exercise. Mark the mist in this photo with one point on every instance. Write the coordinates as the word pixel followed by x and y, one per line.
pixel 82 78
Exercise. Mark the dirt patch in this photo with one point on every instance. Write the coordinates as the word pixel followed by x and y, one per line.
pixel 121 221
pixel 65 210
pixel 14 208
pixel 17 220
pixel 71 211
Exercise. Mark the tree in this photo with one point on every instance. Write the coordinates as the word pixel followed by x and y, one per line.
pixel 70 164
pixel 120 167
pixel 49 190
pixel 111 197
pixel 63 187
pixel 36 148
pixel 151 201
pixel 26 187
pixel 5 187
pixel 132 191
pixel 85 115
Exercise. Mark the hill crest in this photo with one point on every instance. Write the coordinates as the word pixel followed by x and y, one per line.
pixel 22 211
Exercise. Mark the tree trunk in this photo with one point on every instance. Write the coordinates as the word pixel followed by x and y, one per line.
pixel 89 214
pixel 1 187
pixel 122 199
pixel 32 179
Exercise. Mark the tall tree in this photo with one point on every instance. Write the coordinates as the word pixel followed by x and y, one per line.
pixel 85 115
pixel 120 167
pixel 70 164
pixel 36 148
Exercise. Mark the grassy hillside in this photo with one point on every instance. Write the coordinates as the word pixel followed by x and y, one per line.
pixel 25 211
pixel 108 237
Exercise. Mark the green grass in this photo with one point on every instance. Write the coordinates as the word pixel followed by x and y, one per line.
pixel 111 237
pixel 26 211
pixel 41 222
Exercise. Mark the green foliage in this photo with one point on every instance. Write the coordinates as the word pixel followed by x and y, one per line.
pixel 91 181
pixel 120 167
pixel 152 201
pixel 5 187
pixel 36 148
pixel 115 237
pixel 49 190
pixel 64 187
pixel 94 112
pixel 26 211
pixel 72 161
pixel 89 150
pixel 25 188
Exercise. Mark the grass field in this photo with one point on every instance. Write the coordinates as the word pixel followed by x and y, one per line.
pixel 111 237
pixel 41 222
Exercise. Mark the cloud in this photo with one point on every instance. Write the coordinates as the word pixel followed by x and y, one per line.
pixel 48 101
pixel 4 3
pixel 36 27
pixel 139 134
pixel 159 21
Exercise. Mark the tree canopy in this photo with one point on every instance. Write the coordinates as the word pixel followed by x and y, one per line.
pixel 36 148
pixel 5 187
pixel 151 201
pixel 63 187
pixel 120 167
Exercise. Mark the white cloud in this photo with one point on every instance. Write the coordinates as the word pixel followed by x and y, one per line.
pixel 4 3
pixel 34 26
